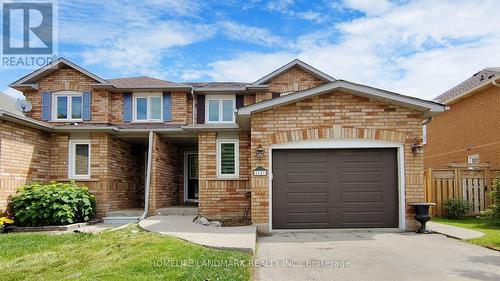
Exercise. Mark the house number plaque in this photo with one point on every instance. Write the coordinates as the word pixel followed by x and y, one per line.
pixel 260 171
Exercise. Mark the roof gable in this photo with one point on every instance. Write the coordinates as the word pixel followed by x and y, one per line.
pixel 36 75
pixel 429 107
pixel 294 63
pixel 474 83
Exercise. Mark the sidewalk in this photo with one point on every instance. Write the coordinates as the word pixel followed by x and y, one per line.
pixel 241 238
pixel 453 231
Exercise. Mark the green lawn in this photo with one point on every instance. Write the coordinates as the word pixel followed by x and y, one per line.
pixel 490 227
pixel 127 254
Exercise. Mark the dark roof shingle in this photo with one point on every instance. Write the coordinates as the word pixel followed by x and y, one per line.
pixel 144 82
pixel 469 84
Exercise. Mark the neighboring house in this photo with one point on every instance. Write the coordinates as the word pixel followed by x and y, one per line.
pixel 469 131
pixel 8 103
pixel 300 148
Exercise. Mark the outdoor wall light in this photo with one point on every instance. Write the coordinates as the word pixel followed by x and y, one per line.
pixel 417 147
pixel 259 152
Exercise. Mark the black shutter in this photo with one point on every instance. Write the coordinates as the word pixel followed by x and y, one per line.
pixel 240 101
pixel 200 109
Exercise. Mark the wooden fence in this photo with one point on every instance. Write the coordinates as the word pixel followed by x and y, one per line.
pixel 471 185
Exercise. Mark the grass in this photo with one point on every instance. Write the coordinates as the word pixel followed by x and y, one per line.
pixel 127 254
pixel 490 227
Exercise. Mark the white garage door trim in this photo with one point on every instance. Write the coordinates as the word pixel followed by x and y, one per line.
pixel 338 144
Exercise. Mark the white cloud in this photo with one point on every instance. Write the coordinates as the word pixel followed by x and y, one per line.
pixel 251 34
pixel 247 67
pixel 279 5
pixel 130 36
pixel 421 48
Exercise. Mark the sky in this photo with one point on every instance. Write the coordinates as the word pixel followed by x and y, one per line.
pixel 416 48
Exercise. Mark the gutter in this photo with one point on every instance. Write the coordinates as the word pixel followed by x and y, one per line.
pixel 148 177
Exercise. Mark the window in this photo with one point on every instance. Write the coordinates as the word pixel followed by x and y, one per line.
pixel 79 159
pixel 473 160
pixel 424 134
pixel 220 109
pixel 228 158
pixel 148 108
pixel 67 106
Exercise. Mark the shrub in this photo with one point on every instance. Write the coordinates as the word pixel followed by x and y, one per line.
pixel 456 208
pixel 494 209
pixel 52 204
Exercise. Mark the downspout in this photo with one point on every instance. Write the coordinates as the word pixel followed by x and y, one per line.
pixel 148 177
pixel 194 107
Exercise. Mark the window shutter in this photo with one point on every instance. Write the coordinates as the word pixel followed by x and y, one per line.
pixel 200 110
pixel 127 107
pixel 167 106
pixel 46 106
pixel 240 101
pixel 87 102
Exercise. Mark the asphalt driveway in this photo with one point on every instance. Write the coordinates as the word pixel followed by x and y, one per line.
pixel 372 256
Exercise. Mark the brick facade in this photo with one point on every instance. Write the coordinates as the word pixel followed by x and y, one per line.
pixel 165 167
pixel 222 198
pixel 102 100
pixel 333 116
pixel 28 155
pixel 118 166
pixel 293 80
pixel 467 128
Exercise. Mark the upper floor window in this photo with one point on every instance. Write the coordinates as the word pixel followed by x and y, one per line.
pixel 148 108
pixel 220 109
pixel 67 106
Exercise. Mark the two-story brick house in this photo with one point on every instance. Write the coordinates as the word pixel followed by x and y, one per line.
pixel 467 133
pixel 300 148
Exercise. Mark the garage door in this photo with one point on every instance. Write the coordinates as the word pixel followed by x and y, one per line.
pixel 334 188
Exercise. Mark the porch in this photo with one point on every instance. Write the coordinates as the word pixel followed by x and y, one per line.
pixel 167 173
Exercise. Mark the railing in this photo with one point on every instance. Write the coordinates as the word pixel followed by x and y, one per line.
pixel 472 185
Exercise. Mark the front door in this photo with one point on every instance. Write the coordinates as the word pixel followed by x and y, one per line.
pixel 192 177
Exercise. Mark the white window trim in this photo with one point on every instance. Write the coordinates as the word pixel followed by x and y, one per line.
pixel 148 115
pixel 219 98
pixel 67 94
pixel 71 158
pixel 472 157
pixel 236 160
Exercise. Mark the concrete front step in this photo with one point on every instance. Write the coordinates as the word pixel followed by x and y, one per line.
pixel 120 220
pixel 177 211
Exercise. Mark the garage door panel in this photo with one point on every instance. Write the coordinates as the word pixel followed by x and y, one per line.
pixel 328 188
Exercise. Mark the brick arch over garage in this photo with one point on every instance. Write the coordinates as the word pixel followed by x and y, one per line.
pixel 337 132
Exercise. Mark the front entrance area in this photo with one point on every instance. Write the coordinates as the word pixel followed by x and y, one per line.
pixel 334 188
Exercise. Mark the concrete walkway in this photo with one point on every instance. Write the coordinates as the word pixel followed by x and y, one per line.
pixel 453 231
pixel 241 238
